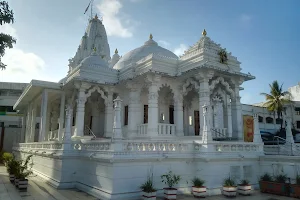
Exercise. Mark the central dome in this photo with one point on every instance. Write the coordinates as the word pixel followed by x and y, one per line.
pixel 150 47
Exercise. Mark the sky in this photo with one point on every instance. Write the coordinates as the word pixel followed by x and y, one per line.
pixel 263 35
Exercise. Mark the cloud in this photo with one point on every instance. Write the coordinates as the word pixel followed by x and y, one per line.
pixel 180 50
pixel 21 66
pixel 8 29
pixel 110 10
pixel 163 43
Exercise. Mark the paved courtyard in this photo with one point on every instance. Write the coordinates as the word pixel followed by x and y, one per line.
pixel 38 190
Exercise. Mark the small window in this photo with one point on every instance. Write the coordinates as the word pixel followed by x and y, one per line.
pixel 269 120
pixel 190 120
pixel 297 110
pixel 260 119
pixel 145 114
pixel 298 124
pixel 126 116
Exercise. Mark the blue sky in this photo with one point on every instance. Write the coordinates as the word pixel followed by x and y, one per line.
pixel 264 35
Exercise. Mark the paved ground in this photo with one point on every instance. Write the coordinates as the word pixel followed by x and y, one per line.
pixel 38 190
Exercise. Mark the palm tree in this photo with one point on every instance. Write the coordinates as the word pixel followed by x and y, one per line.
pixel 276 100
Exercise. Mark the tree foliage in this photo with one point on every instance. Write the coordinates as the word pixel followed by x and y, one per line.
pixel 277 98
pixel 6 41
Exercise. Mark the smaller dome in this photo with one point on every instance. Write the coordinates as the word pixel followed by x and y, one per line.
pixel 149 47
pixel 93 60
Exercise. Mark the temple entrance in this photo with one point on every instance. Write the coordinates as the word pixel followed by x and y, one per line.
pixel 196 122
pixel 94 115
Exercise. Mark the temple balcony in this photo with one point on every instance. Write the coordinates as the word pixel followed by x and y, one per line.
pixel 163 130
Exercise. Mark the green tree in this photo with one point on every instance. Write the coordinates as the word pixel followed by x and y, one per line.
pixel 6 41
pixel 276 100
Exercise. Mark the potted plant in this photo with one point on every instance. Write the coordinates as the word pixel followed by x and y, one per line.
pixel 22 173
pixel 11 168
pixel 6 157
pixel 170 179
pixel 295 188
pixel 229 187
pixel 198 189
pixel 265 181
pixel 244 187
pixel 149 193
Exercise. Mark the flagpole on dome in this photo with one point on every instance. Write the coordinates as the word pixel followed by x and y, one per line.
pixel 91 4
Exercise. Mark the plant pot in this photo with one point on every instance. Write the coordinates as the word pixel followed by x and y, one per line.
pixel 12 178
pixel 244 189
pixel 295 190
pixel 149 196
pixel 170 193
pixel 16 182
pixel 229 191
pixel 199 192
pixel 23 184
pixel 274 188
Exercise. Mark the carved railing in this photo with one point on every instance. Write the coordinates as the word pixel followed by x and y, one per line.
pixel 238 147
pixel 92 146
pixel 219 133
pixel 142 129
pixel 157 146
pixel 166 129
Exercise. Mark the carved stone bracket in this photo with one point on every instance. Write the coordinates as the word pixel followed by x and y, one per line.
pixel 205 76
pixel 189 82
pixel 224 83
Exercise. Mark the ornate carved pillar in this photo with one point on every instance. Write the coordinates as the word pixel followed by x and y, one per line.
pixel 68 124
pixel 80 111
pixel 178 112
pixel 44 107
pixel 257 135
pixel 23 131
pixel 229 119
pixel 28 123
pixel 61 117
pixel 117 127
pixel 152 130
pixel 134 109
pixel 206 134
pixel 32 123
pixel 109 114
pixel 289 135
pixel 54 121
pixel 204 95
pixel 237 111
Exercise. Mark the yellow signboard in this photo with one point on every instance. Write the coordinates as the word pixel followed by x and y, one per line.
pixel 248 128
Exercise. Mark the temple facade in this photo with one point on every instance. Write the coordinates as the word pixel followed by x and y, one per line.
pixel 118 119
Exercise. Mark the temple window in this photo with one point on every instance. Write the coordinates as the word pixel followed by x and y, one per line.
pixel 190 120
pixel 278 121
pixel 298 124
pixel 126 116
pixel 260 119
pixel 269 120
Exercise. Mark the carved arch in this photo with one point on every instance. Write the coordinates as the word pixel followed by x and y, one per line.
pixel 222 82
pixel 96 88
pixel 188 82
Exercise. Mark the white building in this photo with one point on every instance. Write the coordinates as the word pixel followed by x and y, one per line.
pixel 10 120
pixel 144 113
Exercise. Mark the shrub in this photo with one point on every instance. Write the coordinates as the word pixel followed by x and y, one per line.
pixel 197 182
pixel 266 177
pixel 6 157
pixel 281 178
pixel 148 186
pixel 12 166
pixel 170 179
pixel 244 182
pixel 228 182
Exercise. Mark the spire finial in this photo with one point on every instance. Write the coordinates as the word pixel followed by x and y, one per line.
pixel 204 32
pixel 151 36
pixel 116 51
pixel 96 16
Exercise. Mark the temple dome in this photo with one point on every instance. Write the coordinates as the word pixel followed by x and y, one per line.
pixel 149 47
pixel 93 60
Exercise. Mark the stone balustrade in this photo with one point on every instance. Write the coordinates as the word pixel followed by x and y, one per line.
pixel 238 147
pixel 142 129
pixel 219 132
pixel 166 129
pixel 157 146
